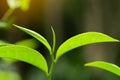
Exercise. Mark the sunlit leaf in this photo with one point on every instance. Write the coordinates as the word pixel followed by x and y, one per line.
pixel 105 66
pixel 81 40
pixel 32 43
pixel 9 61
pixel 36 35
pixel 24 54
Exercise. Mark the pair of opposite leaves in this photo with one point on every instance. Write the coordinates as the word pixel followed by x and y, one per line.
pixel 35 58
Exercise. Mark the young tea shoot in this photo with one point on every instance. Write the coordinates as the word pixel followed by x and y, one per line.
pixel 35 58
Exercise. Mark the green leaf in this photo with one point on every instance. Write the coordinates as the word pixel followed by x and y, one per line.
pixel 24 54
pixel 32 43
pixel 105 66
pixel 9 75
pixel 36 36
pixel 81 40
pixel 3 43
pixel 9 61
pixel 54 38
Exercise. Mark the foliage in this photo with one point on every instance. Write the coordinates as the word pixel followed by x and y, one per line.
pixel 25 50
pixel 6 23
pixel 35 58
pixel 106 66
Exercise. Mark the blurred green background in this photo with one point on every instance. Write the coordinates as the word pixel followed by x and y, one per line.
pixel 68 17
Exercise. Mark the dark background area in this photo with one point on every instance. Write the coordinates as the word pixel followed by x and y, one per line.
pixel 68 18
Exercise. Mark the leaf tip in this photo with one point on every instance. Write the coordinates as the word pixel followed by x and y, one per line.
pixel 86 64
pixel 16 25
pixel 105 66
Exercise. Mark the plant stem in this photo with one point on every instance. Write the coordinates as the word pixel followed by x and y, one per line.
pixel 7 14
pixel 52 55
pixel 51 70
pixel 50 74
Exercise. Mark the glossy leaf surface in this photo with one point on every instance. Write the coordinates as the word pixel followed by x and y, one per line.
pixel 105 66
pixel 81 40
pixel 36 35
pixel 24 54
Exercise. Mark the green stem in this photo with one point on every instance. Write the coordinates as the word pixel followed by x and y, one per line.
pixel 52 66
pixel 52 55
pixel 7 14
pixel 51 70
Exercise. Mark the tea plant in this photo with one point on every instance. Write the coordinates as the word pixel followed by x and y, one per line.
pixel 35 58
pixel 25 53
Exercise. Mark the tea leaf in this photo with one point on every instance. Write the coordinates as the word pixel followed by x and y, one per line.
pixel 32 43
pixel 81 40
pixel 24 54
pixel 3 43
pixel 54 38
pixel 36 36
pixel 9 75
pixel 105 66
pixel 8 61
